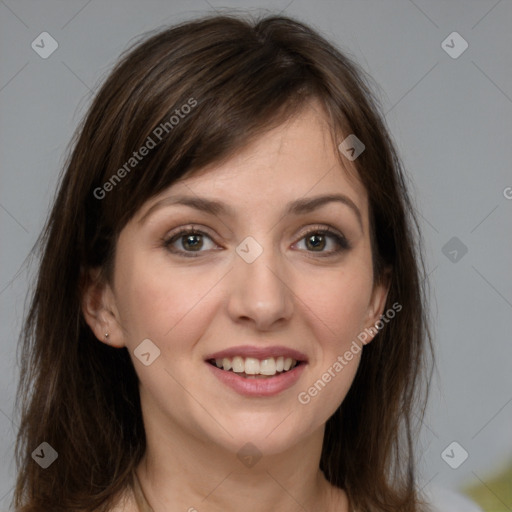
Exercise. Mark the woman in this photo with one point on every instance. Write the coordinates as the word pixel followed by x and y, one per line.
pixel 230 304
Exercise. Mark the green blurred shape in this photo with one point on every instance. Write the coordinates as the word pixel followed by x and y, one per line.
pixel 493 494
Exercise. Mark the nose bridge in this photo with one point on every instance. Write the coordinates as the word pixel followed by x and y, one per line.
pixel 260 291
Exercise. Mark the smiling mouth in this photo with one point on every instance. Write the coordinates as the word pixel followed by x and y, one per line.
pixel 252 368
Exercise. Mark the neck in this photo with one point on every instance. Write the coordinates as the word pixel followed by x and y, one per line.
pixel 179 472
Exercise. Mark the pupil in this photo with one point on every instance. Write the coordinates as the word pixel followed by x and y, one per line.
pixel 193 242
pixel 318 241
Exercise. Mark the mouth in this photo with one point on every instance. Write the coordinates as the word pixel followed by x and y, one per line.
pixel 257 371
pixel 254 368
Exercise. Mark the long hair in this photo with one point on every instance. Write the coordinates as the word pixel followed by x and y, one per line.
pixel 238 78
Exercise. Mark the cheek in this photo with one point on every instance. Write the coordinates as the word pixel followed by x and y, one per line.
pixel 335 312
pixel 338 303
pixel 160 302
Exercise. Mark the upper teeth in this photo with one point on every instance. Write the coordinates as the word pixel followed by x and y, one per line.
pixel 253 366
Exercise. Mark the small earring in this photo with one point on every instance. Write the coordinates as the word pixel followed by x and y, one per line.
pixel 106 336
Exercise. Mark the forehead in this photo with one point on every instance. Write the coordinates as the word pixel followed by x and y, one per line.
pixel 296 159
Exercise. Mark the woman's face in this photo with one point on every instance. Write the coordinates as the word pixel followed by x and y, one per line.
pixel 256 283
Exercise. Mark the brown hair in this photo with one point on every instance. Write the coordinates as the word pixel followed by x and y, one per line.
pixel 240 78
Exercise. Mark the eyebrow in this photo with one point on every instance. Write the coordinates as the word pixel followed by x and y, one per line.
pixel 297 207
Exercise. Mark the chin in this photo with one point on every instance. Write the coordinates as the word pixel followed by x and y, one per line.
pixel 268 435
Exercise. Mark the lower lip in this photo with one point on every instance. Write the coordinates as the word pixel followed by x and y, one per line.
pixel 258 387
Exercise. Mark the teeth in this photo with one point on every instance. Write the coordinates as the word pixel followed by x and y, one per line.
pixel 252 366
pixel 238 365
pixel 268 366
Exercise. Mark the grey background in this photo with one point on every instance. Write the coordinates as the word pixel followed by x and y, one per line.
pixel 451 120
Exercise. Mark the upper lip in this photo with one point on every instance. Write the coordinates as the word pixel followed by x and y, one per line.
pixel 258 353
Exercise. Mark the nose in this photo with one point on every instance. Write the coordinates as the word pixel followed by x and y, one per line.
pixel 261 291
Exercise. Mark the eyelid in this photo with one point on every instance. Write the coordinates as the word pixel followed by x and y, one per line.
pixel 183 230
pixel 321 227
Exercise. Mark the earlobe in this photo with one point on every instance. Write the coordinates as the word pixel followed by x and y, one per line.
pixel 98 310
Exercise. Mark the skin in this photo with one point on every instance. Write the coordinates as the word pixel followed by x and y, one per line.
pixel 290 295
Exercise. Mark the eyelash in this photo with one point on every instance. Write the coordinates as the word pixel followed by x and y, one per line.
pixel 343 244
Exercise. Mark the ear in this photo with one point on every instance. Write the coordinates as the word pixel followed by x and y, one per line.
pixel 99 309
pixel 377 304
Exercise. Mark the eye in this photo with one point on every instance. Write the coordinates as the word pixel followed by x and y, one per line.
pixel 188 241
pixel 320 238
